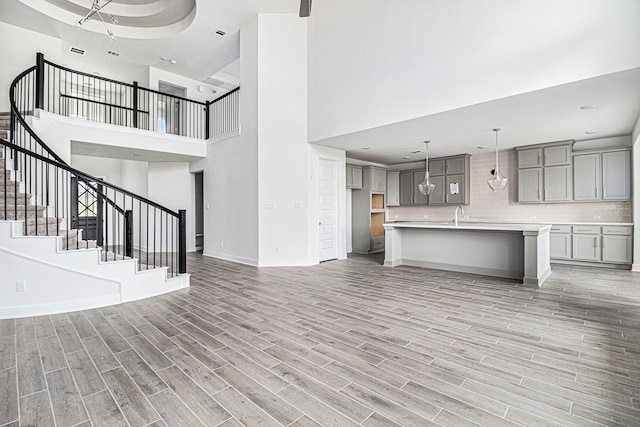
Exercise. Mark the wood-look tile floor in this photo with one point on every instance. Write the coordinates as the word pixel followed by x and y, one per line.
pixel 343 343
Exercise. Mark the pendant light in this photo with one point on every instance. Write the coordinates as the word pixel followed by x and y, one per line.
pixel 426 187
pixel 497 182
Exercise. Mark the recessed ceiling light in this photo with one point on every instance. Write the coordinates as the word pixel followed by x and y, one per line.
pixel 588 107
pixel 416 152
pixel 590 132
pixel 77 50
pixel 366 148
pixel 481 147
pixel 220 32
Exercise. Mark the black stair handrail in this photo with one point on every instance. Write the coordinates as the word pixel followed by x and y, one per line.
pixel 32 91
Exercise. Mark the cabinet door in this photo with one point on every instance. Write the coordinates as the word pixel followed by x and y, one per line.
pixel 616 175
pixel 586 247
pixel 451 181
pixel 557 183
pixel 393 188
pixel 349 176
pixel 560 245
pixel 557 155
pixel 438 195
pixel 356 177
pixel 418 198
pixel 436 167
pixel 531 158
pixel 586 177
pixel 616 249
pixel 455 166
pixel 378 179
pixel 530 185
pixel 406 188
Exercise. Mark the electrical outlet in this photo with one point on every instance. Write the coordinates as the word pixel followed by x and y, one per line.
pixel 532 217
pixel 298 205
pixel 395 216
pixel 596 217
pixel 221 244
pixel 425 216
pixel 21 286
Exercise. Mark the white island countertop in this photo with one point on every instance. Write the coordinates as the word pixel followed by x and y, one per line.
pixel 463 225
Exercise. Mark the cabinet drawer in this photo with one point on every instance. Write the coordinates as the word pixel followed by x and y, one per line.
pixel 620 230
pixel 561 229
pixel 377 244
pixel 586 229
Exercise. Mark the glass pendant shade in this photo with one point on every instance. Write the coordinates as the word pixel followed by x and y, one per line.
pixel 497 182
pixel 426 187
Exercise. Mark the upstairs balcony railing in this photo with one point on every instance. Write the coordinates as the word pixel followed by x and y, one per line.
pixel 75 94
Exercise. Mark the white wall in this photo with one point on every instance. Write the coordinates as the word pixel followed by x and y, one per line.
pixel 171 185
pixel 409 58
pixel 19 48
pixel 282 140
pixel 231 172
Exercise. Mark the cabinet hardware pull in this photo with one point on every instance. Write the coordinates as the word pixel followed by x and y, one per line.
pixel 603 242
pixel 604 193
pixel 583 229
pixel 555 229
pixel 540 194
pixel 545 159
pixel 597 195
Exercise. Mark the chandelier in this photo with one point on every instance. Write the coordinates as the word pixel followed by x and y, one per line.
pixel 98 9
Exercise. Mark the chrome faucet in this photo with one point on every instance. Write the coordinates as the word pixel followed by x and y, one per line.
pixel 455 219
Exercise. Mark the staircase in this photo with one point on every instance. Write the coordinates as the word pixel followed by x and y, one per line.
pixel 48 267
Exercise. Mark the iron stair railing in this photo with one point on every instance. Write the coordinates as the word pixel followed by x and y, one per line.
pixel 38 187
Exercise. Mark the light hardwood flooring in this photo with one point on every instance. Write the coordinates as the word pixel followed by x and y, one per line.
pixel 343 343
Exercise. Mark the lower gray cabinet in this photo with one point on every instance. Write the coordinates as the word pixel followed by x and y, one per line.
pixel 560 242
pixel 586 247
pixel 611 244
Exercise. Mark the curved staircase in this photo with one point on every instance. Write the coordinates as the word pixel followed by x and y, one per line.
pixel 47 265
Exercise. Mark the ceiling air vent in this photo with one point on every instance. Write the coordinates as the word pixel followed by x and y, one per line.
pixel 221 33
pixel 77 50
pixel 113 53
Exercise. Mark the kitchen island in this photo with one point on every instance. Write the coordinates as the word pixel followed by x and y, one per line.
pixel 515 251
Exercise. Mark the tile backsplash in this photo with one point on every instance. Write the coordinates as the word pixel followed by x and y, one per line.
pixel 486 204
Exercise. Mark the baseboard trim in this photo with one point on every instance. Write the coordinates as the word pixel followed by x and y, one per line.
pixel 59 307
pixel 232 258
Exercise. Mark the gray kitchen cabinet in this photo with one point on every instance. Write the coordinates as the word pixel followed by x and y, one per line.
pixel 530 158
pixel 530 185
pixel 368 211
pixel 418 197
pixel 393 188
pixel 437 167
pixel 557 155
pixel 378 178
pixel 441 175
pixel 560 243
pixel 616 175
pixel 557 183
pixel 586 247
pixel 455 166
pixel 586 177
pixel 545 173
pixel 406 188
pixel 602 175
pixel 438 195
pixel 354 177
pixel 592 244
pixel 616 249
pixel 452 182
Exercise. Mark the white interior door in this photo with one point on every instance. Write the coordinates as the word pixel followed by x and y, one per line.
pixel 328 209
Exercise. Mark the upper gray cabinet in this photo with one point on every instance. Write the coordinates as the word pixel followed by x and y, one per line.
pixel 602 175
pixel 450 175
pixel 393 188
pixel 354 177
pixel 545 173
